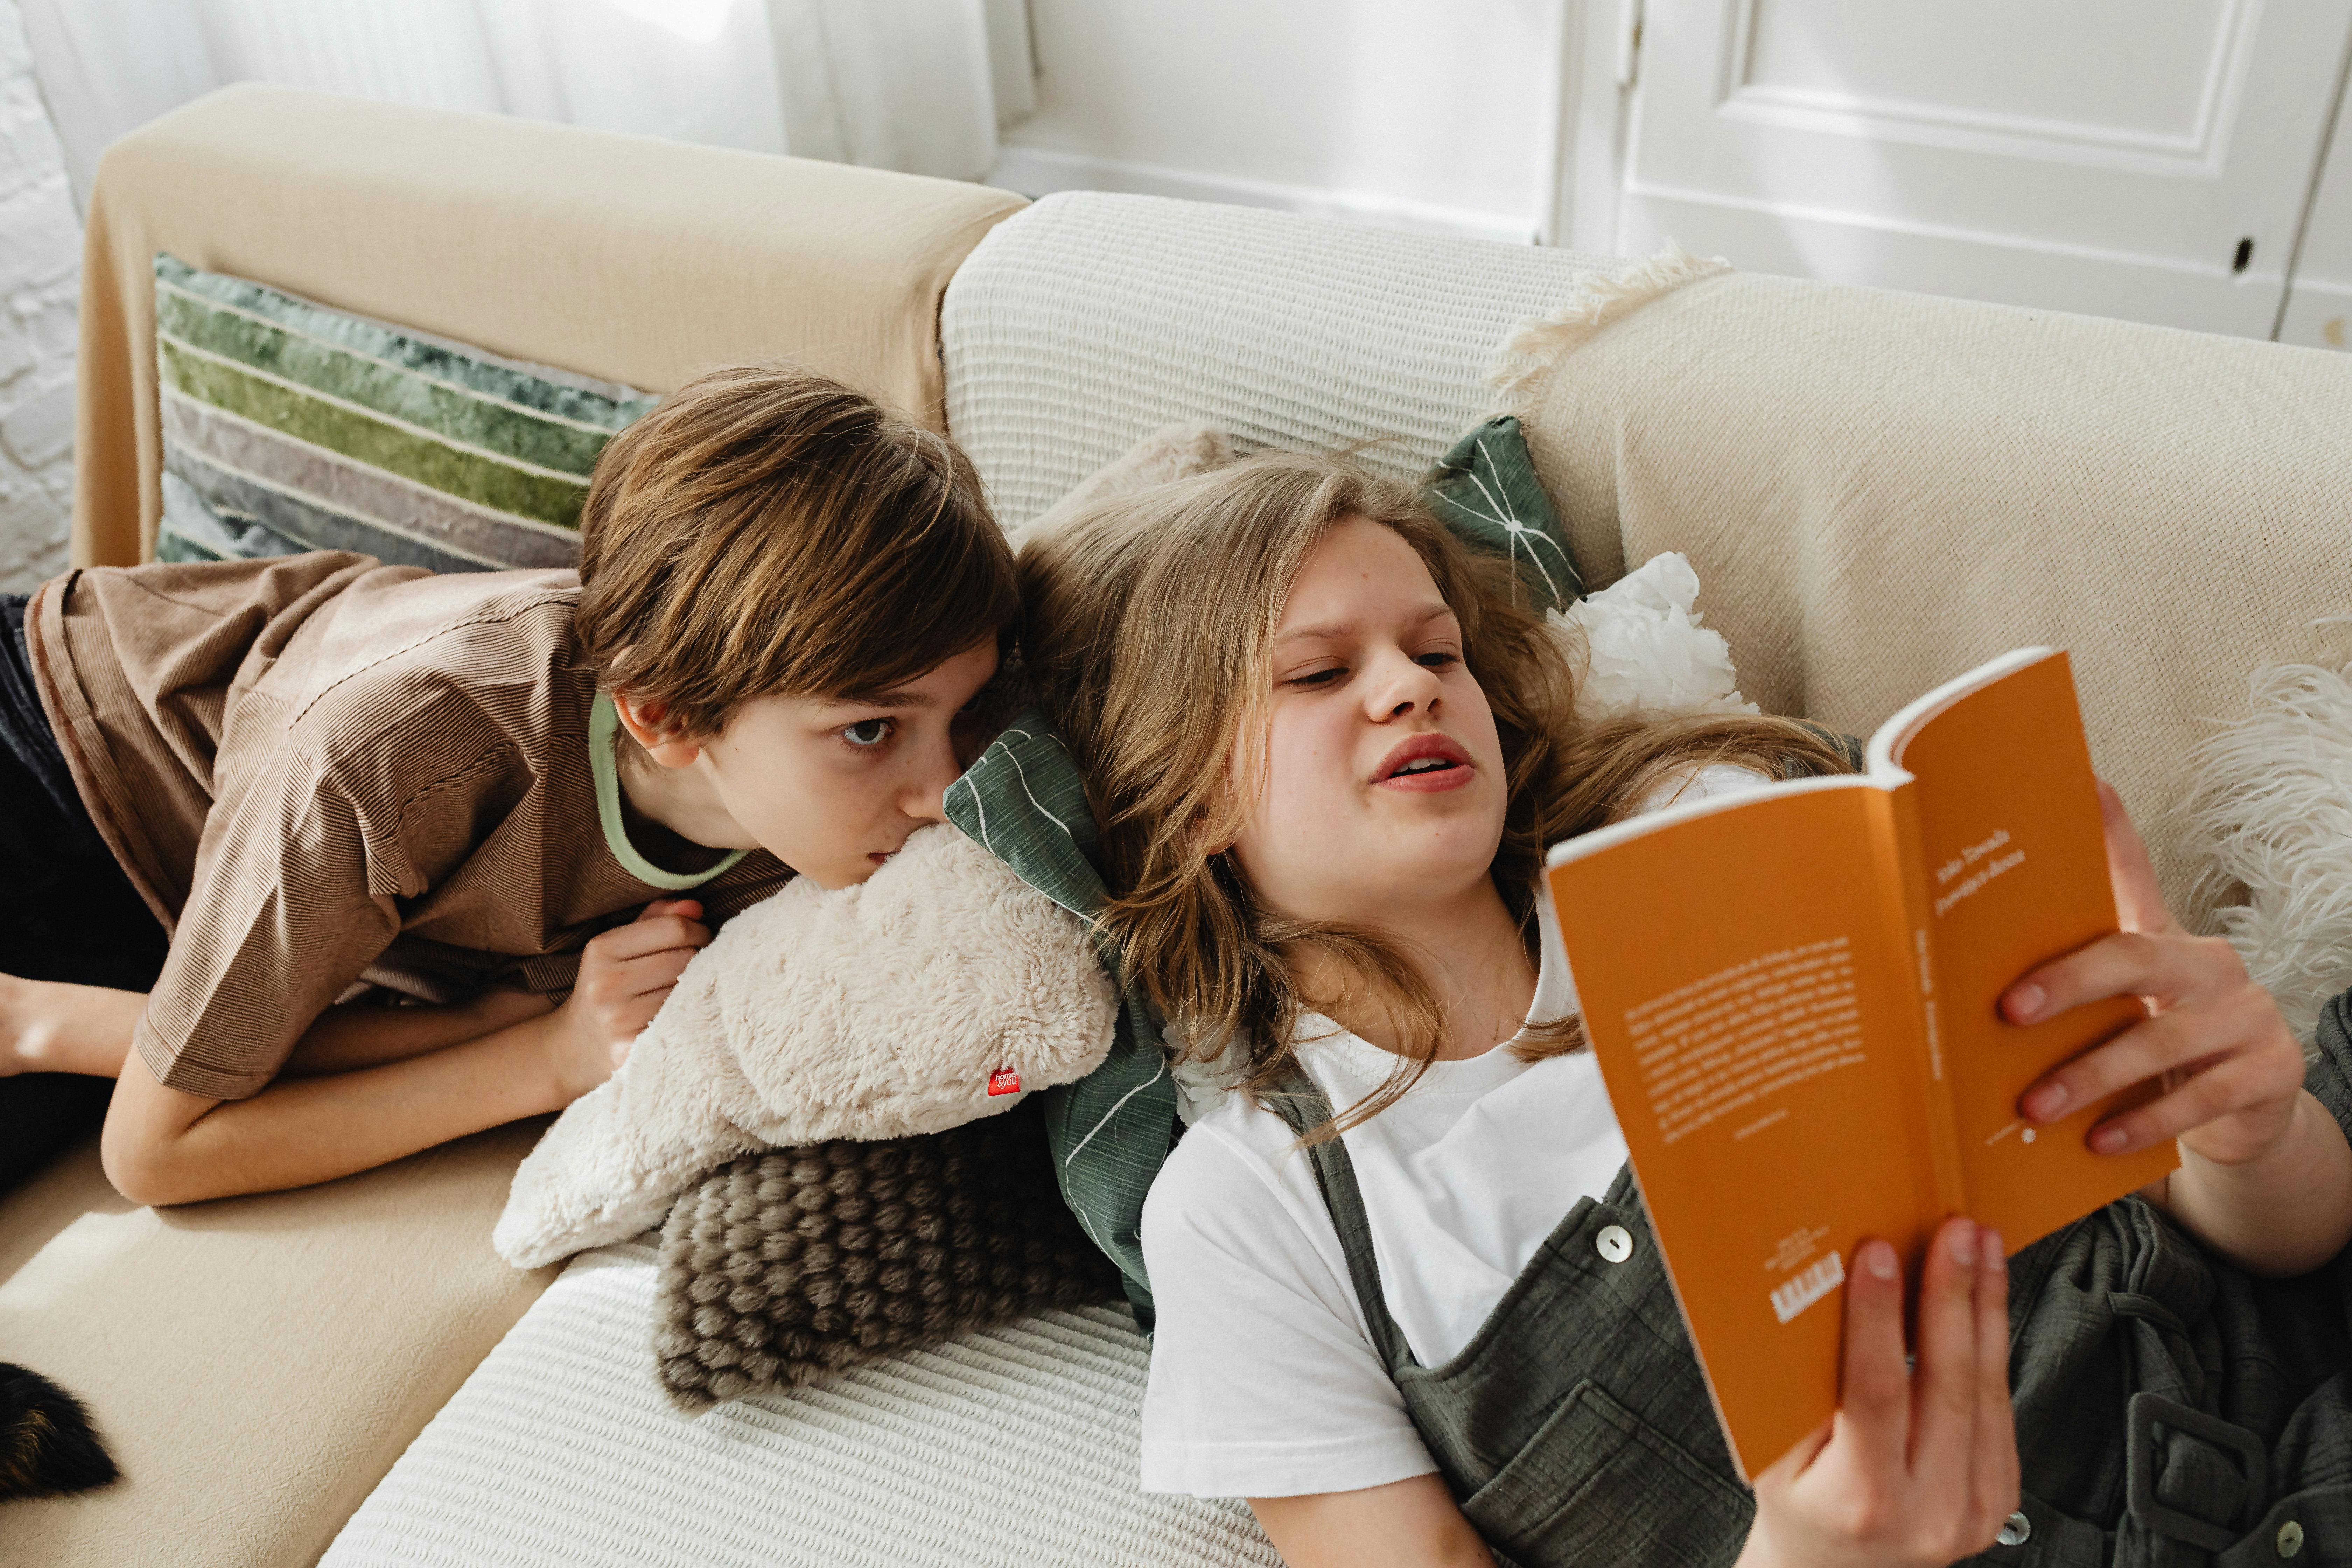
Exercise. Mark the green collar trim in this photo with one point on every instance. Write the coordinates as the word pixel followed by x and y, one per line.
pixel 603 727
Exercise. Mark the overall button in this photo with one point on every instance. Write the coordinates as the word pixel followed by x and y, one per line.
pixel 2290 1538
pixel 1614 1243
pixel 2015 1530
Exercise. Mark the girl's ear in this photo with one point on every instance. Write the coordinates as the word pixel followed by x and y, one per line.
pixel 647 724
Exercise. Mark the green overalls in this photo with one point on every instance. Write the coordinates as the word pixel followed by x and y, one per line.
pixel 2171 1411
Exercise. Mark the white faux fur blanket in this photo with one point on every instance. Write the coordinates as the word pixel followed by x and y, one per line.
pixel 878 1011
pixel 2271 804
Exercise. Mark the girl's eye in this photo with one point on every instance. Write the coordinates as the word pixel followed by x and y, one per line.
pixel 1440 659
pixel 867 732
pixel 1315 678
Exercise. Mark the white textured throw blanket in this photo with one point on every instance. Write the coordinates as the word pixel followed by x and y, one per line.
pixel 878 1011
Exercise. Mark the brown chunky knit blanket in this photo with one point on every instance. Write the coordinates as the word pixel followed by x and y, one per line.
pixel 787 1265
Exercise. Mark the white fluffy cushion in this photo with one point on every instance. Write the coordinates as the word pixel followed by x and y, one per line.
pixel 1646 649
pixel 876 1011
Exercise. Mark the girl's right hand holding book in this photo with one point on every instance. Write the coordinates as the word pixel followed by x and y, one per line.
pixel 1919 1466
pixel 624 975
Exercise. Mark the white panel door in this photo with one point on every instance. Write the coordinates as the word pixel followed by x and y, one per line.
pixel 2140 158
pixel 2318 311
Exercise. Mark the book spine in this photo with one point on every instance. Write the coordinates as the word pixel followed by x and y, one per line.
pixel 1904 871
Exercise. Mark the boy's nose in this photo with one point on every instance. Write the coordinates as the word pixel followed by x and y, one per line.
pixel 925 798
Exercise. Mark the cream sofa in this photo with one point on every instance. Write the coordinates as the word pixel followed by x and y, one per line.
pixel 1877 490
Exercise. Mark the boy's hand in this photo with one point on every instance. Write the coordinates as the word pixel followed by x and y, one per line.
pixel 624 975
pixel 2231 1071
pixel 1918 1466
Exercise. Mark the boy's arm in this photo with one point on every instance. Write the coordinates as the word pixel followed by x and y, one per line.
pixel 2266 1174
pixel 162 1145
pixel 359 1034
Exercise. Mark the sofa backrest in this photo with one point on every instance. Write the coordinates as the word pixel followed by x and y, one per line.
pixel 1088 321
pixel 622 257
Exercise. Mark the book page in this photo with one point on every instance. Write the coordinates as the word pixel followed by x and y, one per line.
pixel 1741 969
pixel 2016 874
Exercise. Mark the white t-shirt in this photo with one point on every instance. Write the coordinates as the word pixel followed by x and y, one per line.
pixel 1263 1379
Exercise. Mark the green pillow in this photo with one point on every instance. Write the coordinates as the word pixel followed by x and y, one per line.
pixel 1023 800
pixel 1485 490
pixel 1110 1131
pixel 290 426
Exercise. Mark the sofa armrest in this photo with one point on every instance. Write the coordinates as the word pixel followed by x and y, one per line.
pixel 622 257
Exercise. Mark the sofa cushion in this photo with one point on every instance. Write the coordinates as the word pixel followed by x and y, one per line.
pixel 1019 1445
pixel 1085 322
pixel 627 259
pixel 256 1363
pixel 288 427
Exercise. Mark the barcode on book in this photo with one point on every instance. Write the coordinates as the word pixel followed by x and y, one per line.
pixel 1793 1294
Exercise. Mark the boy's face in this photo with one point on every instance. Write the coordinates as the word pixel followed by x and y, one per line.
pixel 833 788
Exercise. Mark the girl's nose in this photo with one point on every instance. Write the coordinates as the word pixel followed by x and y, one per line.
pixel 1402 685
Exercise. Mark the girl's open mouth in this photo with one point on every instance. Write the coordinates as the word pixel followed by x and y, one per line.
pixel 1425 764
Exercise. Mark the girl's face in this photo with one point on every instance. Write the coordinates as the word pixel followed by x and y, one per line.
pixel 1383 775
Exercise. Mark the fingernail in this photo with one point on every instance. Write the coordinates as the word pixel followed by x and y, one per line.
pixel 1963 1244
pixel 2046 1101
pixel 1879 1258
pixel 1989 1247
pixel 2110 1139
pixel 2025 1003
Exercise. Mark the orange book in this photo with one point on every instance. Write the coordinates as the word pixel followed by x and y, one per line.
pixel 1791 995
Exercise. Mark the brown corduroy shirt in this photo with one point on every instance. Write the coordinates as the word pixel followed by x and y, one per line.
pixel 320 770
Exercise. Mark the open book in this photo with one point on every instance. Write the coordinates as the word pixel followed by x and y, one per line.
pixel 1791 995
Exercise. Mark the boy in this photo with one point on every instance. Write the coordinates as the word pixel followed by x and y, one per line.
pixel 324 775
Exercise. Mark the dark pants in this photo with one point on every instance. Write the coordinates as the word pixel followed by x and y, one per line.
pixel 66 911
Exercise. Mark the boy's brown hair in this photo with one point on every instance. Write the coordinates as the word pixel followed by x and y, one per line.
pixel 765 531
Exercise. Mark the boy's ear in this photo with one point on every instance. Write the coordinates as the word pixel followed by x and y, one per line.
pixel 647 724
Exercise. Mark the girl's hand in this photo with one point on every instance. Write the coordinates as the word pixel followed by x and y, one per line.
pixel 1916 1467
pixel 2231 1071
pixel 625 973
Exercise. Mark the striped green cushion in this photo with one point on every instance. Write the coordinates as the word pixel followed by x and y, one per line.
pixel 290 427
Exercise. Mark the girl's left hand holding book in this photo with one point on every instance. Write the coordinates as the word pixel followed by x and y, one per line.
pixel 2265 1177
pixel 1919 1465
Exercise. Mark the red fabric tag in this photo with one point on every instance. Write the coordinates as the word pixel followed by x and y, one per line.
pixel 1003 1080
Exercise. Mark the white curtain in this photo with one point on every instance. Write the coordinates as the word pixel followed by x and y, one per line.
pixel 917 85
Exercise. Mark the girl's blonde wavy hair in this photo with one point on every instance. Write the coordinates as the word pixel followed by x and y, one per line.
pixel 1150 623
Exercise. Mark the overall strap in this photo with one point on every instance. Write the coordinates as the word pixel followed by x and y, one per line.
pixel 1304 1107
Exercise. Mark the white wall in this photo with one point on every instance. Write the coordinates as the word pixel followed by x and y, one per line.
pixel 40 267
pixel 1433 116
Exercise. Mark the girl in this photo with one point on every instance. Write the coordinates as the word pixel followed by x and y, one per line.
pixel 1407 1302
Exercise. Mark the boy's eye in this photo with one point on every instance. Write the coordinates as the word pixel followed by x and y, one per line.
pixel 867 732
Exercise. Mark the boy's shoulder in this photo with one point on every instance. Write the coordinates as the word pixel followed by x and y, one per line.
pixel 389 648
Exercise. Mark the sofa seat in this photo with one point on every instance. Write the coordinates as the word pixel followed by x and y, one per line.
pixel 256 1364
pixel 1015 1446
